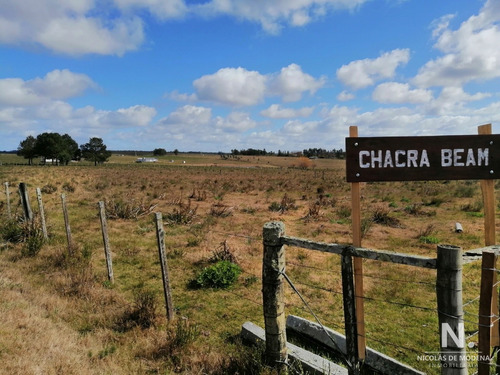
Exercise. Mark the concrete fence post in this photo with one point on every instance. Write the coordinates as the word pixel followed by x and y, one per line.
pixel 42 213
pixel 450 310
pixel 273 295
pixel 105 240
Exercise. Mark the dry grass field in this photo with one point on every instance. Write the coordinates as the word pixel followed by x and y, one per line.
pixel 60 314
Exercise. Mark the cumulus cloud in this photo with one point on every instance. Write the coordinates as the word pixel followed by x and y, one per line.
pixel 137 115
pixel 394 92
pixel 232 86
pixel 162 9
pixel 235 122
pixel 57 84
pixel 68 27
pixel 272 15
pixel 363 73
pixel 240 87
pixel 345 96
pixel 470 53
pixel 275 111
pixel 185 118
pixel 291 82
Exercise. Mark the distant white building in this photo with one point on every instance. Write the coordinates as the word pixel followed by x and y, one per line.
pixel 146 160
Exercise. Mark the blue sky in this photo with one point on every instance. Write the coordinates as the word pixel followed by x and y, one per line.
pixel 216 75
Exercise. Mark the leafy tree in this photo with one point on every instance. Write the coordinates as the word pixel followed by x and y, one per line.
pixel 71 150
pixel 27 149
pixel 49 145
pixel 159 152
pixel 95 150
pixel 56 147
pixel 176 152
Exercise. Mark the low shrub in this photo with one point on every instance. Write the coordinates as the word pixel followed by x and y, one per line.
pixel 221 275
pixel 183 214
pixel 223 252
pixel 381 216
pixel 49 189
pixel 429 240
pixel 127 209
pixel 220 210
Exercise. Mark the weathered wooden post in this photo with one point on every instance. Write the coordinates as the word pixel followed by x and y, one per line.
pixel 160 236
pixel 7 193
pixel 42 213
pixel 351 326
pixel 450 310
pixel 485 311
pixel 25 201
pixel 273 295
pixel 66 224
pixel 105 239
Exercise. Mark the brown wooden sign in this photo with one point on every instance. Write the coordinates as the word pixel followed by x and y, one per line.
pixel 461 157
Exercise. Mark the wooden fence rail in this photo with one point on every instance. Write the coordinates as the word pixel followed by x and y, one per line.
pixel 448 289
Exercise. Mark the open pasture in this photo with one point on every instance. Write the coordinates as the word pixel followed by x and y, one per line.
pixel 61 315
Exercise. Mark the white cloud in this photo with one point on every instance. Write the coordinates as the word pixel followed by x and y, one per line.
pixel 470 53
pixel 162 9
pixel 240 87
pixel 61 84
pixel 57 84
pixel 67 27
pixel 276 111
pixel 394 92
pixel 235 122
pixel 272 15
pixel 137 115
pixel 185 118
pixel 452 100
pixel 345 96
pixel 233 87
pixel 90 35
pixel 291 82
pixel 363 73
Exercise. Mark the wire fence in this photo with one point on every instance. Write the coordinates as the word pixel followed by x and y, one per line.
pixel 396 318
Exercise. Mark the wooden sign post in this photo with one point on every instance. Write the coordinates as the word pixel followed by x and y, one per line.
pixel 459 157
pixel 358 262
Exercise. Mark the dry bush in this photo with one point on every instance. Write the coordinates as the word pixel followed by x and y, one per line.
pixel 381 215
pixel 220 210
pixel 314 211
pixel 223 252
pixel 198 195
pixel 286 204
pixel 142 313
pixel 426 231
pixel 304 163
pixel 183 214
pixel 127 209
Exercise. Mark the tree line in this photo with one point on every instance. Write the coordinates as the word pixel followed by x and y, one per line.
pixel 311 152
pixel 61 149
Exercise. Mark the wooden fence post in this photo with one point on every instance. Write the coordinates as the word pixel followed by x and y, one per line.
pixel 25 201
pixel 42 213
pixel 273 295
pixel 485 311
pixel 7 193
pixel 358 262
pixel 66 224
pixel 160 236
pixel 350 317
pixel 450 310
pixel 488 191
pixel 105 240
